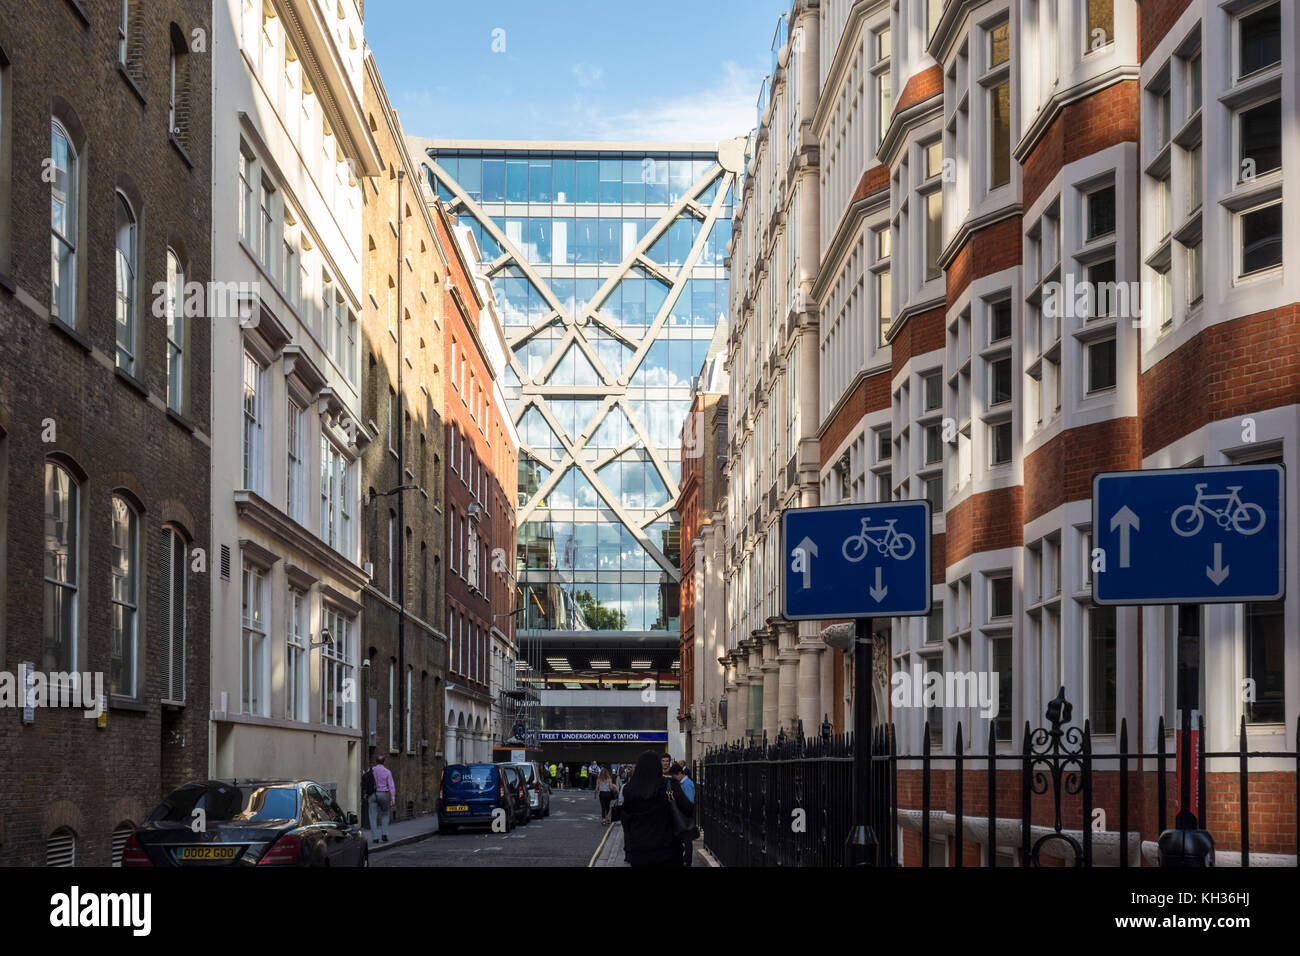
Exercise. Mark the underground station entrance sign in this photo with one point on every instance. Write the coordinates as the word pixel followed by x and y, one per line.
pixel 1189 535
pixel 851 561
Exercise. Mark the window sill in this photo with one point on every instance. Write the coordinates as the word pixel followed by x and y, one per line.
pixel 71 333
pixel 132 381
pixel 127 703
pixel 80 11
pixel 180 420
pixel 176 145
pixel 130 81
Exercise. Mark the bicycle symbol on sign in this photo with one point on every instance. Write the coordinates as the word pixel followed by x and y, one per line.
pixel 897 545
pixel 1243 517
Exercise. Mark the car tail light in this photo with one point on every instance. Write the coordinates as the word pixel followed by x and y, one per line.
pixel 133 854
pixel 284 851
pixel 503 789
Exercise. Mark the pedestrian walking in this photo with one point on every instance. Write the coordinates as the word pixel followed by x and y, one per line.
pixel 382 799
pixel 593 772
pixel 688 788
pixel 555 780
pixel 649 829
pixel 605 794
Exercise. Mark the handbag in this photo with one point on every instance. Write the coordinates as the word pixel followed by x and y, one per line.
pixel 683 829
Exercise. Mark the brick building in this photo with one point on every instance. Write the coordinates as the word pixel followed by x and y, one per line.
pixel 970 156
pixel 702 506
pixel 105 138
pixel 481 478
pixel 402 337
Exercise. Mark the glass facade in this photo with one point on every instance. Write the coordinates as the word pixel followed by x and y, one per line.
pixel 608 269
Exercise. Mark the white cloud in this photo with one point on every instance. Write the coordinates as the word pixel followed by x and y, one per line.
pixel 720 111
pixel 587 74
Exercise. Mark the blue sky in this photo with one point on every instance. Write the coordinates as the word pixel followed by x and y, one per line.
pixel 598 70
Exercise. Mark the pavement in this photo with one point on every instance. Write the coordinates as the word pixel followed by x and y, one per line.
pixel 610 852
pixel 404 833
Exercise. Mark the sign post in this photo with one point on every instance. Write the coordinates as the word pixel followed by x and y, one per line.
pixel 1189 536
pixel 859 562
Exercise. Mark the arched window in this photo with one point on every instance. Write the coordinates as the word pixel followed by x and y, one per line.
pixel 175 555
pixel 126 231
pixel 124 563
pixel 62 564
pixel 64 216
pixel 175 333
pixel 61 848
pixel 121 833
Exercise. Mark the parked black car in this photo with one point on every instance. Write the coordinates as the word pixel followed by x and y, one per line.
pixel 248 823
pixel 517 787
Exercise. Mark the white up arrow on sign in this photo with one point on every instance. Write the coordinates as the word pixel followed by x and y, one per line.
pixel 878 592
pixel 808 547
pixel 1127 522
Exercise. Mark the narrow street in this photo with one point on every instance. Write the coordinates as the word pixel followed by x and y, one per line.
pixel 568 837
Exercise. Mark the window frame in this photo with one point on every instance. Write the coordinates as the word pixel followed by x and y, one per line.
pixel 72 583
pixel 124 594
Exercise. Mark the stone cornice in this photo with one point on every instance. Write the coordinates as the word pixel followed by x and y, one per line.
pixel 260 513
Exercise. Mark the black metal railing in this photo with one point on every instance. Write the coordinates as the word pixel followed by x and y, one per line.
pixel 790 802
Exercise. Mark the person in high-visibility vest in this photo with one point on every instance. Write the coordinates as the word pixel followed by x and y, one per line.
pixel 582 775
pixel 555 779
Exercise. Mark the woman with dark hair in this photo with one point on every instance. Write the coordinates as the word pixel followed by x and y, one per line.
pixel 649 837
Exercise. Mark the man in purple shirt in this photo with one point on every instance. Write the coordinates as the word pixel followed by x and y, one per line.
pixel 382 800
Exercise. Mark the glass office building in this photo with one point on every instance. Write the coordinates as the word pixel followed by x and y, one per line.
pixel 607 262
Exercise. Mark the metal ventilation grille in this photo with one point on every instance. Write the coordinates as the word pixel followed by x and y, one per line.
pixel 61 849
pixel 120 836
pixel 225 562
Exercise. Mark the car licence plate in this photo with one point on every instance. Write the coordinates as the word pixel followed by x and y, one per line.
pixel 459 808
pixel 208 852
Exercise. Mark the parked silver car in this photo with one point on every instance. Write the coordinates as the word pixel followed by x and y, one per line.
pixel 538 787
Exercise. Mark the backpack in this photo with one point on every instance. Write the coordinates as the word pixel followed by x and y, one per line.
pixel 368 783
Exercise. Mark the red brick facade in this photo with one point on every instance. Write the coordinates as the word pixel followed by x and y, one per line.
pixel 988 521
pixel 1062 469
pixel 1088 126
pixel 1226 371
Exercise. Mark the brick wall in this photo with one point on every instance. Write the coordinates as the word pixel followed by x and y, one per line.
pixel 870 395
pixel 1097 122
pixel 1155 19
pixel 411 642
pixel 986 251
pixel 1226 371
pixel 114 431
pixel 984 522
pixel 920 86
pixel 919 334
pixel 1062 469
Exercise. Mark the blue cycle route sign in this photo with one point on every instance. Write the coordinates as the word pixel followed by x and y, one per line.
pixel 868 560
pixel 1190 535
